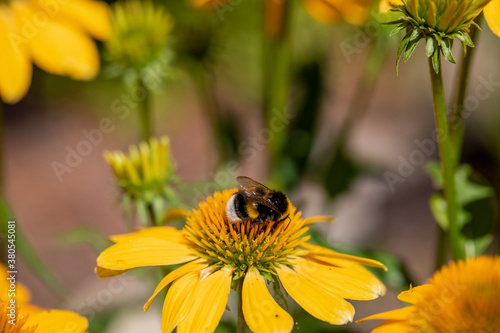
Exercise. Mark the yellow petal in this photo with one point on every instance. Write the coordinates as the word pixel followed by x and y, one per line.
pixel 317 219
pixel 167 233
pixel 492 15
pixel 398 314
pixel 336 258
pixel 359 284
pixel 391 326
pixel 209 303
pixel 262 313
pixel 57 46
pixel 415 294
pixel 386 5
pixel 196 265
pixel 23 294
pixel 106 273
pixel 15 66
pixel 142 252
pixel 53 321
pixel 321 11
pixel 92 16
pixel 179 300
pixel 317 301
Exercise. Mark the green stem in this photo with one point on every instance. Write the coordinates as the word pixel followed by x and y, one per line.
pixel 144 109
pixel 447 160
pixel 276 80
pixel 457 116
pixel 241 319
pixel 440 248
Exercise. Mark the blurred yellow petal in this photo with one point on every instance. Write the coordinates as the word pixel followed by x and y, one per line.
pixel 415 294
pixel 321 11
pixel 398 314
pixel 92 16
pixel 318 301
pixel 53 321
pixel 15 66
pixel 318 219
pixel 23 294
pixel 167 233
pixel 179 300
pixel 492 15
pixel 209 303
pixel 262 313
pixel 56 46
pixel 142 252
pixel 196 265
pixel 358 284
pixel 386 5
pixel 206 3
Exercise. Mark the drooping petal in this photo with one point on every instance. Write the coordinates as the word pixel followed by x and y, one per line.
pixel 386 5
pixel 319 302
pixel 398 314
pixel 92 16
pixel 415 294
pixel 492 15
pixel 209 303
pixel 167 233
pixel 58 47
pixel 262 313
pixel 359 284
pixel 341 259
pixel 52 321
pixel 194 266
pixel 15 66
pixel 106 273
pixel 179 300
pixel 142 252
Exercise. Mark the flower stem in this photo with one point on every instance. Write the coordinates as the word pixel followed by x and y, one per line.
pixel 447 160
pixel 144 109
pixel 457 116
pixel 276 75
pixel 241 319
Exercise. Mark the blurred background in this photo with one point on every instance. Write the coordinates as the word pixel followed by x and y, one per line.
pixel 351 125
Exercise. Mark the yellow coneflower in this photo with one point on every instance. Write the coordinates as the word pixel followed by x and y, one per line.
pixel 144 175
pixel 218 255
pixel 491 12
pixel 28 318
pixel 438 22
pixel 462 297
pixel 52 35
pixel 138 35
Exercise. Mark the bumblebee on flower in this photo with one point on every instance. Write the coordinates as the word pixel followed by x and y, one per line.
pixel 219 255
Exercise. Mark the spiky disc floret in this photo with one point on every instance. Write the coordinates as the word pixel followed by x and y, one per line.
pixel 439 22
pixel 264 246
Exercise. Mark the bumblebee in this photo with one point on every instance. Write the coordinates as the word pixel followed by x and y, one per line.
pixel 257 202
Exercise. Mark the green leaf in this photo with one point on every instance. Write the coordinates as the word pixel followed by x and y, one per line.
pixel 280 299
pixel 435 61
pixel 430 46
pixel 468 191
pixel 411 48
pixel 415 34
pixel 142 212
pixel 402 47
pixel 433 169
pixel 476 246
pixel 446 48
pixel 438 209
pixel 402 26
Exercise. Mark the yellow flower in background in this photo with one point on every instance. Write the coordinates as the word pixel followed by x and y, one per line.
pixel 216 254
pixel 30 318
pixel 54 35
pixel 144 176
pixel 491 12
pixel 139 33
pixel 462 297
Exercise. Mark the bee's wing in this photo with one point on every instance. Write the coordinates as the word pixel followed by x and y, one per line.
pixel 247 183
pixel 254 190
